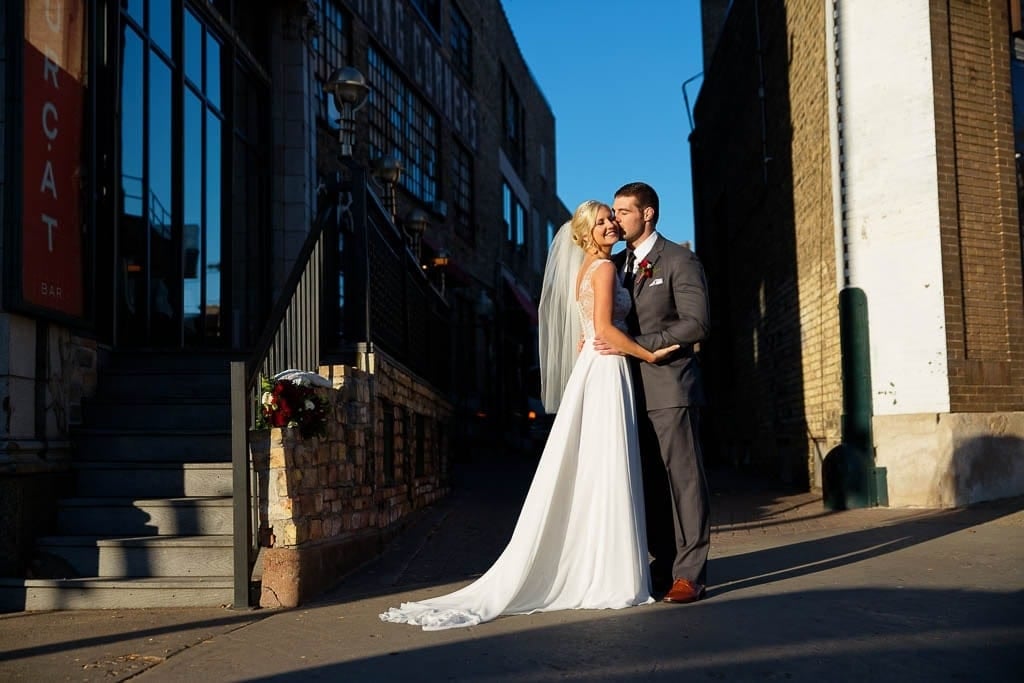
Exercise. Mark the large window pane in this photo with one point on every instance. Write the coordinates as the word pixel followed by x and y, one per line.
pixel 132 118
pixel 193 50
pixel 212 88
pixel 193 218
pixel 136 10
pixel 160 24
pixel 213 223
pixel 165 284
pixel 159 199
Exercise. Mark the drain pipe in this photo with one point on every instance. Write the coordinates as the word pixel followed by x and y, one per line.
pixel 853 479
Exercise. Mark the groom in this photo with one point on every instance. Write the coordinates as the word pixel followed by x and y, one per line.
pixel 670 306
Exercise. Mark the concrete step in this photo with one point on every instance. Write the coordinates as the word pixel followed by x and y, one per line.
pixel 154 445
pixel 134 556
pixel 152 479
pixel 98 593
pixel 129 384
pixel 208 361
pixel 144 517
pixel 159 413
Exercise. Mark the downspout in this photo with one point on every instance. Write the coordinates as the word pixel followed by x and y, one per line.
pixel 853 479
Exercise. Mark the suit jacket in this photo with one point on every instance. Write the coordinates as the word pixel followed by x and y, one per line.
pixel 669 307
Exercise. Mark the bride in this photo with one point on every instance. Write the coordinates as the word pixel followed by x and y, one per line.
pixel 580 541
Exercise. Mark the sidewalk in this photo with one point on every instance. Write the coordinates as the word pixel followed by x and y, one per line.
pixel 797 593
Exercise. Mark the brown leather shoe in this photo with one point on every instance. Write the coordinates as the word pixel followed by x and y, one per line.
pixel 684 591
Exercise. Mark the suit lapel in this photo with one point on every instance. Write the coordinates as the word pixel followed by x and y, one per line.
pixel 652 258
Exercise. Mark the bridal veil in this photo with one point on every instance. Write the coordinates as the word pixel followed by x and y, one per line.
pixel 558 328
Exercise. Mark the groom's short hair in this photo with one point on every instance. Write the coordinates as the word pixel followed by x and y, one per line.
pixel 644 195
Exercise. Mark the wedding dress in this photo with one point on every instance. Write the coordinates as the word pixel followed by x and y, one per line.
pixel 580 541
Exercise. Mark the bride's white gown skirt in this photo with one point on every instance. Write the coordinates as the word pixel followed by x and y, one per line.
pixel 580 541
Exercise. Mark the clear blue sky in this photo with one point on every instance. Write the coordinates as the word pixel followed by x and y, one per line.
pixel 612 72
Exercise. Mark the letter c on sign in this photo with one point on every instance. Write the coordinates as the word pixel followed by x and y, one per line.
pixel 50 110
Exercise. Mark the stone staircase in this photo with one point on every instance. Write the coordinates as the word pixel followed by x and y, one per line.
pixel 150 521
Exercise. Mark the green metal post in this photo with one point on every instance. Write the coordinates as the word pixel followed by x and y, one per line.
pixel 858 477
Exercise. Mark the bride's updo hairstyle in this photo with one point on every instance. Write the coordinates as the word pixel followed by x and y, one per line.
pixel 583 222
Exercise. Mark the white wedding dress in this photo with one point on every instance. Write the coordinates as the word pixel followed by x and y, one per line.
pixel 580 541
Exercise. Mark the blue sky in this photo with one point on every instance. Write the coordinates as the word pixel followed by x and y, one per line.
pixel 613 72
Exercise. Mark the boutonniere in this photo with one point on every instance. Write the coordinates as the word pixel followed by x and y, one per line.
pixel 646 269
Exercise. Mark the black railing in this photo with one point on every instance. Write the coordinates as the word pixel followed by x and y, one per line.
pixel 290 339
pixel 388 300
pixel 354 288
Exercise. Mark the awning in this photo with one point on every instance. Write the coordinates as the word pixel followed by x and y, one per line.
pixel 521 295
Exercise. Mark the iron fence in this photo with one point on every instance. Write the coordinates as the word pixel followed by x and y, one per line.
pixel 355 288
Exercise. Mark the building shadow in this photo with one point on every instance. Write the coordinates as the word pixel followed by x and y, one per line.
pixel 791 560
pixel 984 468
pixel 744 187
pixel 457 539
pixel 833 635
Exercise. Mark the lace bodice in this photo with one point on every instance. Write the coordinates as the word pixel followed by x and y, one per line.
pixel 620 304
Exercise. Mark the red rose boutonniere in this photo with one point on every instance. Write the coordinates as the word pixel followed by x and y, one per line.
pixel 646 269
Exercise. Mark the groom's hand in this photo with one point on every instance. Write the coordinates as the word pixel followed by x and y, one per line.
pixel 604 348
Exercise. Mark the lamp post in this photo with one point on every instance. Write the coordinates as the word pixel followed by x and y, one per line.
pixel 416 222
pixel 388 169
pixel 347 86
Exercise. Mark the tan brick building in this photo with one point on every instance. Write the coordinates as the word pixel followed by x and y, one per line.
pixel 864 152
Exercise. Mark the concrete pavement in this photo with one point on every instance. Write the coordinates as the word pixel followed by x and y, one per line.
pixel 797 593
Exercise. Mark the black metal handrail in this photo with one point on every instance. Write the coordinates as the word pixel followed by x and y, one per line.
pixel 404 315
pixel 291 338
pixel 354 288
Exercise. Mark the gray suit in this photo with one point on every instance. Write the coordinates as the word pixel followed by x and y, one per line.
pixel 670 306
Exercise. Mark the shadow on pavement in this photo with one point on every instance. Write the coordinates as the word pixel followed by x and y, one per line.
pixel 24 624
pixel 784 561
pixel 462 535
pixel 827 635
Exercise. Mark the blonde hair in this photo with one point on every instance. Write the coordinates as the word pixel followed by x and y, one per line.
pixel 583 221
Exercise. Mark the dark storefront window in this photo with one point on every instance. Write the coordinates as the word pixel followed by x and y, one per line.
pixel 150 295
pixel 331 51
pixel 461 42
pixel 181 175
pixel 403 125
pixel 514 139
pixel 431 11
pixel 462 187
pixel 515 218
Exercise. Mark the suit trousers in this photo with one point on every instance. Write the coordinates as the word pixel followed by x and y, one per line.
pixel 675 489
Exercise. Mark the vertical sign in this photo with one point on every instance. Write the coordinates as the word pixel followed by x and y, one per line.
pixel 54 87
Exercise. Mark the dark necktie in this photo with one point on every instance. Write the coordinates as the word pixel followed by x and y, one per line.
pixel 627 278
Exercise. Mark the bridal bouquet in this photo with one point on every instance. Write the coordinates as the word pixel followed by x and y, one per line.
pixel 292 403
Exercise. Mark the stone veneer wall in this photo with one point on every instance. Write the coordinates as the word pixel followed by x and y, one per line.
pixel 329 504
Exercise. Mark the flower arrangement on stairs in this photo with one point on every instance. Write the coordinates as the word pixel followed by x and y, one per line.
pixel 290 399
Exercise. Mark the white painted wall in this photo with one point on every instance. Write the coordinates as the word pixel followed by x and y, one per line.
pixel 893 249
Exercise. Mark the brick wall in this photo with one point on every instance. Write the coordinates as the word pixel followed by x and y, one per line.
pixel 981 246
pixel 765 234
pixel 815 230
pixel 329 504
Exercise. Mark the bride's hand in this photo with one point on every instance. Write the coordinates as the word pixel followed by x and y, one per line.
pixel 663 353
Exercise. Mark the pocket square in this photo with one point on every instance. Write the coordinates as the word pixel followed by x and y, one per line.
pixel 656 281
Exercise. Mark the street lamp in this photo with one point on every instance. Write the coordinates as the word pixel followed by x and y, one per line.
pixel 348 88
pixel 388 169
pixel 416 222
